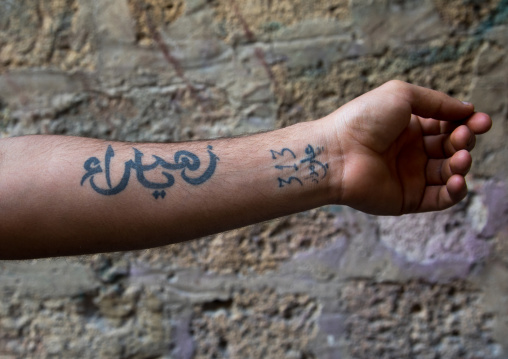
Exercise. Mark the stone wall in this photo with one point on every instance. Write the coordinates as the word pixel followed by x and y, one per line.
pixel 327 283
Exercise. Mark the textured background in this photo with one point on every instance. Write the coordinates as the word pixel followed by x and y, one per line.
pixel 327 283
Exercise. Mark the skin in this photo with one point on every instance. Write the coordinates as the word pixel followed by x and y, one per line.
pixel 397 149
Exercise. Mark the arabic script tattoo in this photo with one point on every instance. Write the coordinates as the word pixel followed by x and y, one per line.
pixel 297 171
pixel 184 162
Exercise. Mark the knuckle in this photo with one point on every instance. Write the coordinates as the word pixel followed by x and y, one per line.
pixel 401 89
pixel 397 85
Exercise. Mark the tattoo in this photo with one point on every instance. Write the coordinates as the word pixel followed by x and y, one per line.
pixel 281 153
pixel 282 182
pixel 295 167
pixel 306 169
pixel 184 161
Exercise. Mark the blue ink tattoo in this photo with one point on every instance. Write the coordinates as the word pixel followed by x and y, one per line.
pixel 306 168
pixel 311 159
pixel 281 153
pixel 184 161
pixel 295 167
pixel 283 182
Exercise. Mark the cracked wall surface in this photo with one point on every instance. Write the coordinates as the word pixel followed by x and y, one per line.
pixel 326 283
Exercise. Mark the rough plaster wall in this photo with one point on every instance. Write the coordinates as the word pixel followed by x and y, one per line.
pixel 327 283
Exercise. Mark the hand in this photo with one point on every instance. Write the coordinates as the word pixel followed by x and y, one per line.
pixel 405 149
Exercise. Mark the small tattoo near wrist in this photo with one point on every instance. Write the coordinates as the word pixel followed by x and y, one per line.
pixel 184 161
pixel 297 170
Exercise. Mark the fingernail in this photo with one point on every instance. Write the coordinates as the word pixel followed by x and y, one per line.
pixel 467 103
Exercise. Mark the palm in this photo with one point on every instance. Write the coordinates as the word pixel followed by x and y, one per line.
pixel 393 178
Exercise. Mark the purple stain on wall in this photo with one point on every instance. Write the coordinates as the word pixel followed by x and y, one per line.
pixel 442 270
pixel 184 348
pixel 445 245
pixel 435 247
pixel 496 200
pixel 332 324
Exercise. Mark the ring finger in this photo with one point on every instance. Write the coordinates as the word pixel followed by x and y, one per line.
pixel 438 171
pixel 443 146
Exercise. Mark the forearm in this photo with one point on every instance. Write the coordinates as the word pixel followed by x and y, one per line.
pixel 67 195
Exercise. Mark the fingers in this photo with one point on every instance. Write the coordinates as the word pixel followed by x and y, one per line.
pixel 431 104
pixel 478 123
pixel 446 185
pixel 437 198
pixel 444 146
pixel 438 172
pixel 436 127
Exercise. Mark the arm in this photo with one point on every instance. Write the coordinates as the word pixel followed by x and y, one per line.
pixel 67 195
pixel 70 195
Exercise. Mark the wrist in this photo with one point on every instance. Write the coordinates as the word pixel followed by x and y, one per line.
pixel 300 164
pixel 335 157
